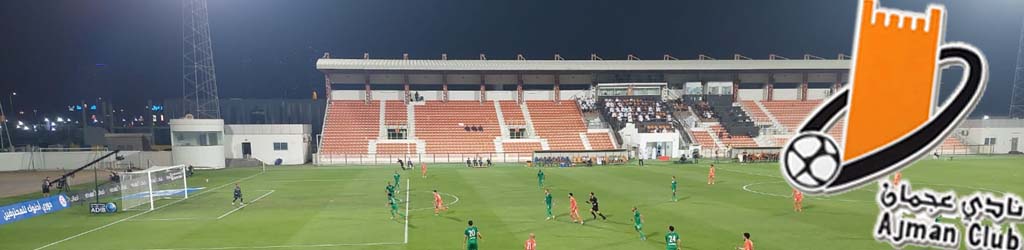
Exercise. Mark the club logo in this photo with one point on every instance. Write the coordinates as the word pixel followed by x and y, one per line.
pixel 62 200
pixel 890 105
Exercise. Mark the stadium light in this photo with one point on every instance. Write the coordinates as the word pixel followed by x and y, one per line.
pixel 984 117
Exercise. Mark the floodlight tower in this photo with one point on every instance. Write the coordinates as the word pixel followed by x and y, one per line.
pixel 199 79
pixel 1017 96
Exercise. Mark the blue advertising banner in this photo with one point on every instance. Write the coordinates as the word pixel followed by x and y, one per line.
pixel 28 209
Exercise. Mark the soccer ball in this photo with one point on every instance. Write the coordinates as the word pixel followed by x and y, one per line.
pixel 111 207
pixel 811 161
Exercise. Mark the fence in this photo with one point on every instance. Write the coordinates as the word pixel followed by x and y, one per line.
pixel 378 159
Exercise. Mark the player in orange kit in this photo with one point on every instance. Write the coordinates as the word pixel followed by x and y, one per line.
pixel 747 244
pixel 423 169
pixel 711 175
pixel 574 211
pixel 531 243
pixel 438 203
pixel 798 201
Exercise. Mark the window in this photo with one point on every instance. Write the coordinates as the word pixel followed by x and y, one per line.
pixel 197 138
pixel 397 134
pixel 990 141
pixel 280 146
pixel 517 133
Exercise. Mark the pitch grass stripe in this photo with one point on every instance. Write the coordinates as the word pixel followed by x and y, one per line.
pixel 408 182
pixel 142 213
pixel 244 205
pixel 283 246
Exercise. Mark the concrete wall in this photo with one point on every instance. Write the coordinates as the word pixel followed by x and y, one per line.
pixel 388 95
pixel 1003 136
pixel 262 139
pixel 538 95
pixel 348 94
pixel 464 95
pixel 751 94
pixel 818 94
pixel 786 94
pixel 568 94
pixel 18 161
pixel 501 95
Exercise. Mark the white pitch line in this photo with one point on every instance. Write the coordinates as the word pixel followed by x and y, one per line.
pixel 142 213
pixel 408 182
pixel 163 219
pixel 244 205
pixel 283 246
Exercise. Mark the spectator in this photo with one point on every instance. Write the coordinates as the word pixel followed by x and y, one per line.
pixel 46 187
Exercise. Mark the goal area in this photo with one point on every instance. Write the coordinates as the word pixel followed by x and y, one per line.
pixel 141 189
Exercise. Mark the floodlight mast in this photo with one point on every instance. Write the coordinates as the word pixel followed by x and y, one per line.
pixel 1017 95
pixel 199 78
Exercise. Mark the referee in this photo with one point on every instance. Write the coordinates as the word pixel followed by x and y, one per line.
pixel 594 210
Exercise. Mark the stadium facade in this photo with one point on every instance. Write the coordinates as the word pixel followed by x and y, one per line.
pixel 381 110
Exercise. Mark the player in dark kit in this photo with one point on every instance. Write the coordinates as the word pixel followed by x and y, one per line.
pixel 238 196
pixel 594 210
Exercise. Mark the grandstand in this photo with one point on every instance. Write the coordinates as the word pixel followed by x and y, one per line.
pixel 451 110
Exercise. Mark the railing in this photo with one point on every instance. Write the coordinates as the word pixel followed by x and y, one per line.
pixel 379 159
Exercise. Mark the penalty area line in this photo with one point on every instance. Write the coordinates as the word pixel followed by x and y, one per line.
pixel 244 205
pixel 142 213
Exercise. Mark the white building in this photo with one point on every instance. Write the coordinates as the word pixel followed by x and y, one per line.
pixel 198 142
pixel 269 143
pixel 1002 135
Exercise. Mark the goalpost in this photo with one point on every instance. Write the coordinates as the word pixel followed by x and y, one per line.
pixel 148 186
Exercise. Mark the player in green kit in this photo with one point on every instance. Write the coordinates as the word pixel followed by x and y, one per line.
pixel 394 208
pixel 540 178
pixel 548 204
pixel 472 235
pixel 638 223
pixel 674 188
pixel 672 239
pixel 390 191
pixel 397 182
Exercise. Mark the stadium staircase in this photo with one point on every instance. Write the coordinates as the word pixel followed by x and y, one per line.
pixel 525 112
pixel 501 123
pixel 586 142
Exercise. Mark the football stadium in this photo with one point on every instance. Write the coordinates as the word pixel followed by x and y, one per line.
pixel 497 152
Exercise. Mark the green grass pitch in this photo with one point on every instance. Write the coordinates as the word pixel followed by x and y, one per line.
pixel 344 208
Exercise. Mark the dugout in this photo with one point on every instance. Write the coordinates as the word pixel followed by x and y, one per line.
pixel 567 158
pixel 755 154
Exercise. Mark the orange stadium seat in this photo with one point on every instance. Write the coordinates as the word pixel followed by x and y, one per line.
pixel 559 123
pixel 349 127
pixel 521 147
pixel 438 124
pixel 600 141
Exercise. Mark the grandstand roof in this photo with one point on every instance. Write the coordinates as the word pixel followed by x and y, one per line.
pixel 575 65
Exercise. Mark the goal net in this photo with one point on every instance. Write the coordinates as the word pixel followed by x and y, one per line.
pixel 145 188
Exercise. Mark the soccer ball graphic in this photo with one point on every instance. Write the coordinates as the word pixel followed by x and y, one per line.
pixel 811 161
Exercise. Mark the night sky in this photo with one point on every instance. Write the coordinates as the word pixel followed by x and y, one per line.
pixel 59 52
